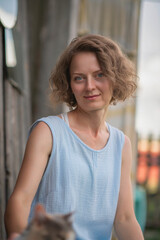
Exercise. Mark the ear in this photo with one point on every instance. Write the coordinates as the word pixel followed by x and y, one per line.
pixel 69 217
pixel 39 213
pixel 39 209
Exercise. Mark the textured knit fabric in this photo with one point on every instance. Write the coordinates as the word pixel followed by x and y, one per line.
pixel 81 179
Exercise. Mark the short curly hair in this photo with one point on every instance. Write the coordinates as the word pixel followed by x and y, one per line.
pixel 113 63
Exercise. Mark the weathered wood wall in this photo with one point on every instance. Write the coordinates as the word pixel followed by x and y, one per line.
pixel 50 21
pixel 14 110
pixel 17 114
pixel 2 152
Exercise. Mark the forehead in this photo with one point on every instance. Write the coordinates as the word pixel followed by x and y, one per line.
pixel 83 61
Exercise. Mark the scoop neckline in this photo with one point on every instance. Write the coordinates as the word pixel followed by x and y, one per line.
pixel 84 144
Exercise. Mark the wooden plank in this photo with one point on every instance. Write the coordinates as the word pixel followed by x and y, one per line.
pixel 46 44
pixel 13 132
pixel 2 154
pixel 17 103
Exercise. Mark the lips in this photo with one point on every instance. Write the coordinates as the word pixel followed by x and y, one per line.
pixel 91 97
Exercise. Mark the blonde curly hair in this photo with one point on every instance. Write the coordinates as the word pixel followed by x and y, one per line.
pixel 113 63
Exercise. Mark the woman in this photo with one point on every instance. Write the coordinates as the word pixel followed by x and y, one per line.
pixel 76 161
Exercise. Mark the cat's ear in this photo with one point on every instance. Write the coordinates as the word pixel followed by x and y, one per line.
pixel 39 209
pixel 69 217
pixel 39 213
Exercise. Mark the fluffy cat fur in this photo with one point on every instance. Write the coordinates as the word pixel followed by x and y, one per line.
pixel 48 227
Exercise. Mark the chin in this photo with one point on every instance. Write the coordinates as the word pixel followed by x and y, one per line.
pixel 94 108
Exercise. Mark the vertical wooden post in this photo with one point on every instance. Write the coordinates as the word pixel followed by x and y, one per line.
pixel 2 143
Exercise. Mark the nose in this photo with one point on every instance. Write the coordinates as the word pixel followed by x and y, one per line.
pixel 90 83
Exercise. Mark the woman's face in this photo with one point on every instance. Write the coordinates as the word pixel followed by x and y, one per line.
pixel 92 90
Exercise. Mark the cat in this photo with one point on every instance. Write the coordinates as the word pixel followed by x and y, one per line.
pixel 48 227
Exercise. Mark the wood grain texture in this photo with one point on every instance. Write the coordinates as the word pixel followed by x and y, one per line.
pixel 2 143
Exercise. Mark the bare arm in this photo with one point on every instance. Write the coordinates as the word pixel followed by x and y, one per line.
pixel 36 156
pixel 126 225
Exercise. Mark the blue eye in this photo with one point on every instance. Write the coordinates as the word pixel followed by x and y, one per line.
pixel 100 75
pixel 78 78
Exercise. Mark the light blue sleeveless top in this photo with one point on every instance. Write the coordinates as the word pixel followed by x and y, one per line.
pixel 81 179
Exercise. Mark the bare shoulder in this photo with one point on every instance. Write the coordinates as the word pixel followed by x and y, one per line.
pixel 127 142
pixel 41 128
pixel 35 160
pixel 127 151
pixel 127 145
pixel 41 134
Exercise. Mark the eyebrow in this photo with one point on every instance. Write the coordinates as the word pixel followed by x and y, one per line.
pixel 78 73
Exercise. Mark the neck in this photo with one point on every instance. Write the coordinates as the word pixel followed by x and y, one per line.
pixel 93 121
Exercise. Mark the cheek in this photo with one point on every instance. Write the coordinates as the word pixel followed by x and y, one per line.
pixel 72 85
pixel 108 90
pixel 76 89
pixel 73 88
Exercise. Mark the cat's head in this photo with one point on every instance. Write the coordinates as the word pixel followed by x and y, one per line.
pixel 51 227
